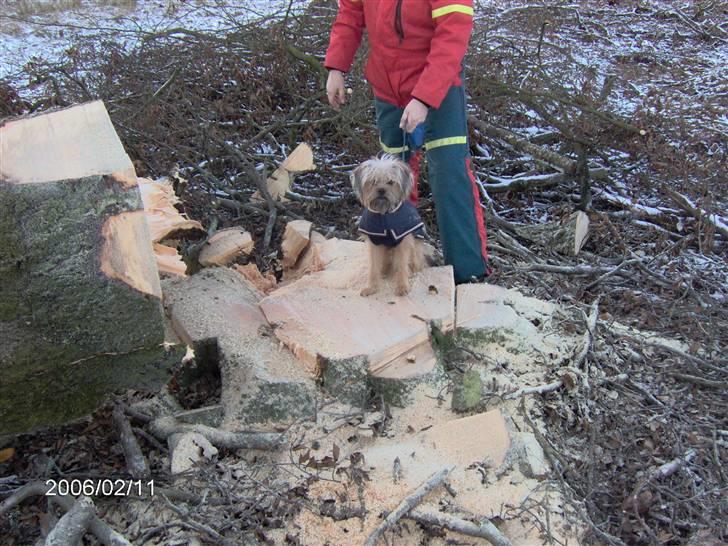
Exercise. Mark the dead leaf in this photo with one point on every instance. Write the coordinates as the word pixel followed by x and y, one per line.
pixel 6 454
pixel 569 381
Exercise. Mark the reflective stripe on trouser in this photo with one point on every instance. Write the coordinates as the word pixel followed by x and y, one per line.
pixel 454 190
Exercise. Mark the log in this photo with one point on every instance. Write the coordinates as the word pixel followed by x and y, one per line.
pixel 75 257
pixel 278 183
pixel 261 380
pixel 320 316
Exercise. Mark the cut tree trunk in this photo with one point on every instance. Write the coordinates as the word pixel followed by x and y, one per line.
pixel 356 343
pixel 80 312
pixel 261 381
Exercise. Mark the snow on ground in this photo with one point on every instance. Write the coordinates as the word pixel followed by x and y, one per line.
pixel 48 27
pixel 658 70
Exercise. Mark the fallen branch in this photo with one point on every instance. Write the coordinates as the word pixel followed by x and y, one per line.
pixel 408 504
pixel 149 438
pixel 260 182
pixel 523 183
pixel 105 534
pixel 136 463
pixel 663 471
pixel 643 340
pixel 709 383
pixel 29 490
pixel 562 163
pixel 73 525
pixel 310 60
pixel 540 389
pixel 588 338
pixel 163 427
pixel 611 272
pixel 485 529
pixel 577 270
pixel 515 247
pixel 697 213
pixel 100 529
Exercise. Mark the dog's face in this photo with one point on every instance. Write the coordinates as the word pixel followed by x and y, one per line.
pixel 382 183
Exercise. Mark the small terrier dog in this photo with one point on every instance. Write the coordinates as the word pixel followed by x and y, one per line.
pixel 389 222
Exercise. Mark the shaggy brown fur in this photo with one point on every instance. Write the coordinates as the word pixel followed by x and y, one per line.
pixel 382 184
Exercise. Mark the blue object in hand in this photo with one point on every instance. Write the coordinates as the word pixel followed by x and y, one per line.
pixel 416 138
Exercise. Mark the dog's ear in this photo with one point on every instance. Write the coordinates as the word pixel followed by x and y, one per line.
pixel 357 177
pixel 406 178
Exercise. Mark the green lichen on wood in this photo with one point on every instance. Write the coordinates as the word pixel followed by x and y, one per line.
pixel 347 380
pixel 398 392
pixel 467 391
pixel 60 310
pixel 53 390
pixel 284 401
pixel 475 339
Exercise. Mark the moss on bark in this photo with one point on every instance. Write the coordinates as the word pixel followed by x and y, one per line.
pixel 74 333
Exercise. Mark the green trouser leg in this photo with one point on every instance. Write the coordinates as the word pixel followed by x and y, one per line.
pixel 454 190
pixel 391 140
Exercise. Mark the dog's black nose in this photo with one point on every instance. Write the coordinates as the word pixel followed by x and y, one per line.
pixel 381 191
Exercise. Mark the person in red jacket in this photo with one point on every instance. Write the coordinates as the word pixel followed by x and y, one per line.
pixel 415 70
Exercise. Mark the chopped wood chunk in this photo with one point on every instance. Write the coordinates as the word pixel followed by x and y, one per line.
pixel 226 245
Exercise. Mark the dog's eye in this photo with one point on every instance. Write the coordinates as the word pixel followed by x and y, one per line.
pixel 390 182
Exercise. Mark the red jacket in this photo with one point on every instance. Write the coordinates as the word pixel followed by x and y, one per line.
pixel 416 46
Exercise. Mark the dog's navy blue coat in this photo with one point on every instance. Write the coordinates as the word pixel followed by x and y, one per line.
pixel 389 229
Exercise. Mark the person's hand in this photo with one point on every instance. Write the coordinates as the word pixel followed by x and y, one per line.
pixel 335 89
pixel 414 113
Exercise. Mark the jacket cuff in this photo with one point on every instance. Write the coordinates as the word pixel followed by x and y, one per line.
pixel 422 101
pixel 432 99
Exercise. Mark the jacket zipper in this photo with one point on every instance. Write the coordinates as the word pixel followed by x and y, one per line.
pixel 398 21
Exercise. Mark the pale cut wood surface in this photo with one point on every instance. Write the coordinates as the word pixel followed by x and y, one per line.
pixel 322 314
pixel 65 145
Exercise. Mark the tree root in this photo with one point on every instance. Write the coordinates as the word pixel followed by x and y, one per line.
pixel 163 427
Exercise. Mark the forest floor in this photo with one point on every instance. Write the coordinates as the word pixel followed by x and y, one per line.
pixel 624 105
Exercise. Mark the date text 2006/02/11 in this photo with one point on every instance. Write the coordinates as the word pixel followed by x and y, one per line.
pixel 103 487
